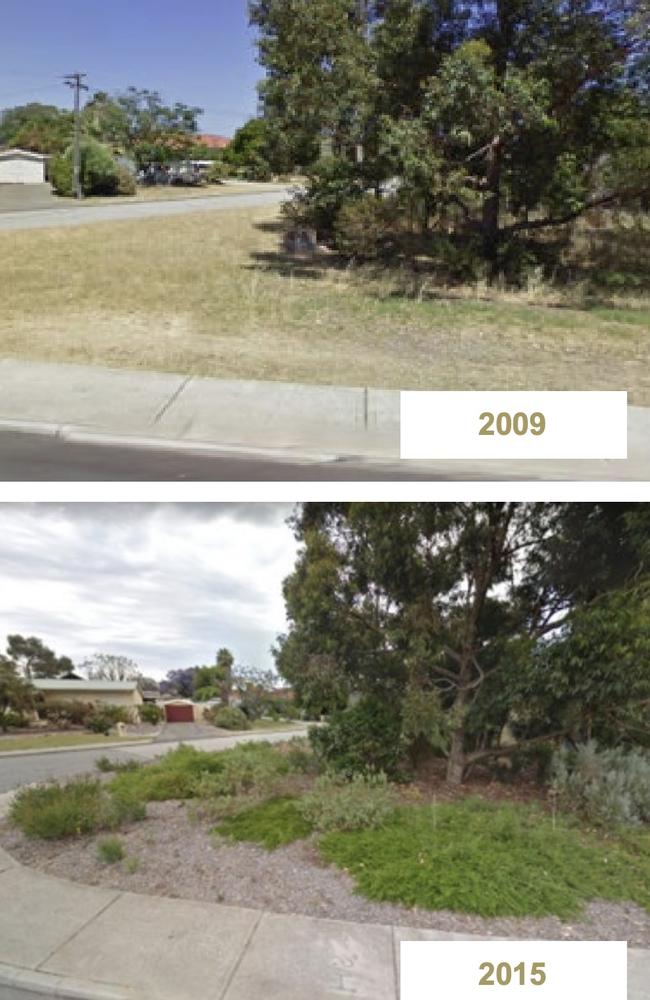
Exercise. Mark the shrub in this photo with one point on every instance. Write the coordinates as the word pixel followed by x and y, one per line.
pixel 368 228
pixel 71 810
pixel 66 713
pixel 230 718
pixel 110 850
pixel 174 776
pixel 150 713
pixel 271 824
pixel 107 765
pixel 104 717
pixel 99 171
pixel 361 739
pixel 336 804
pixel 251 767
pixel 608 787
pixel 217 173
pixel 126 183
pixel 301 757
pixel 12 720
pixel 332 183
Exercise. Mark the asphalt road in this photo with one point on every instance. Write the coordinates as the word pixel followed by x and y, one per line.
pixel 55 217
pixel 27 769
pixel 42 458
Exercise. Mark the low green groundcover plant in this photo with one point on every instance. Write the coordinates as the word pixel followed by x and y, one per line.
pixel 271 824
pixel 474 857
pixel 110 850
pixel 72 809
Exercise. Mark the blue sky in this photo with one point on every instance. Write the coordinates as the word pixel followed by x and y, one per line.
pixel 201 52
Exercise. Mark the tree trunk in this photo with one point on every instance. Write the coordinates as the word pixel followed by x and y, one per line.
pixel 456 760
pixel 491 206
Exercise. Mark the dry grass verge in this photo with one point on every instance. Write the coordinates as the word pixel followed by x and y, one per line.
pixel 208 294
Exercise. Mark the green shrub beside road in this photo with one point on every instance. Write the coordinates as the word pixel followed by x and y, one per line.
pixel 80 807
pixel 229 718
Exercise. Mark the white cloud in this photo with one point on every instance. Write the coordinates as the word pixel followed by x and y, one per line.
pixel 164 584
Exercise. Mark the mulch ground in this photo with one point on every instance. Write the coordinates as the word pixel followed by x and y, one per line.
pixel 173 854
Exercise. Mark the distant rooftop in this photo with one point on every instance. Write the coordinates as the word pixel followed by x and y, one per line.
pixel 54 684
pixel 214 141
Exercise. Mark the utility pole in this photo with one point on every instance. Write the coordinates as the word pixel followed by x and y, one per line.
pixel 74 80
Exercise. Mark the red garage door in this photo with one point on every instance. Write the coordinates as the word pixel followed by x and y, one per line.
pixel 179 713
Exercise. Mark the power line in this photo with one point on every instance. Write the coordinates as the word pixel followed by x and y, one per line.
pixel 73 80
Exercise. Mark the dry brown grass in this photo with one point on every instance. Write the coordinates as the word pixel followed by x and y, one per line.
pixel 207 293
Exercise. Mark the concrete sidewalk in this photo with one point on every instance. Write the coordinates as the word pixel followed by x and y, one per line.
pixel 63 939
pixel 306 423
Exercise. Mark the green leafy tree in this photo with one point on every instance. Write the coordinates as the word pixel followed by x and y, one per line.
pixel 447 612
pixel 16 693
pixel 32 658
pixel 41 128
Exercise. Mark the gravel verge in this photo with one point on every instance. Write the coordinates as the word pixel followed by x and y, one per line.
pixel 177 857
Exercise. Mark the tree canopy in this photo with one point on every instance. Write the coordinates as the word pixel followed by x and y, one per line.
pixel 470 617
pixel 500 118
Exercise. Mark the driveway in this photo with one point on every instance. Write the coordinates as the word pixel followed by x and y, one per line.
pixel 182 731
pixel 84 215
pixel 27 197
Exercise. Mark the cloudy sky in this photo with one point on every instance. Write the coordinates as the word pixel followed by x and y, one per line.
pixel 165 584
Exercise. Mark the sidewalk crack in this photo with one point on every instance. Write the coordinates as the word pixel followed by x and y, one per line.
pixel 235 968
pixel 62 944
pixel 172 399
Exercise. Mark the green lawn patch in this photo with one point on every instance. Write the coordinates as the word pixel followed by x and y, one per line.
pixel 271 824
pixel 50 741
pixel 473 857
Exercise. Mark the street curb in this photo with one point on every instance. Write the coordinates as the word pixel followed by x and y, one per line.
pixel 73 434
pixel 29 983
pixel 145 741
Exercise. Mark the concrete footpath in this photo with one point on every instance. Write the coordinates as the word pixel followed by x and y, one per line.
pixel 306 423
pixel 63 939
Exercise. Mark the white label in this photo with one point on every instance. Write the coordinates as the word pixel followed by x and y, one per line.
pixel 491 970
pixel 508 425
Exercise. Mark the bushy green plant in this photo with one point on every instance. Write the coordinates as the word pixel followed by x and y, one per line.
pixel 126 183
pixel 99 172
pixel 217 173
pixel 12 720
pixel 608 787
pixel 368 228
pixel 174 776
pixel 70 810
pixel 301 757
pixel 251 767
pixel 104 717
pixel 150 713
pixel 110 850
pixel 337 804
pixel 332 183
pixel 361 739
pixel 106 765
pixel 230 718
pixel 66 713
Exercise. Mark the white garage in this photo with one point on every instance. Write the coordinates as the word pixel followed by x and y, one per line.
pixel 19 166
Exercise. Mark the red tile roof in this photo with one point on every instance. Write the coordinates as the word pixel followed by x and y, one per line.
pixel 214 141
